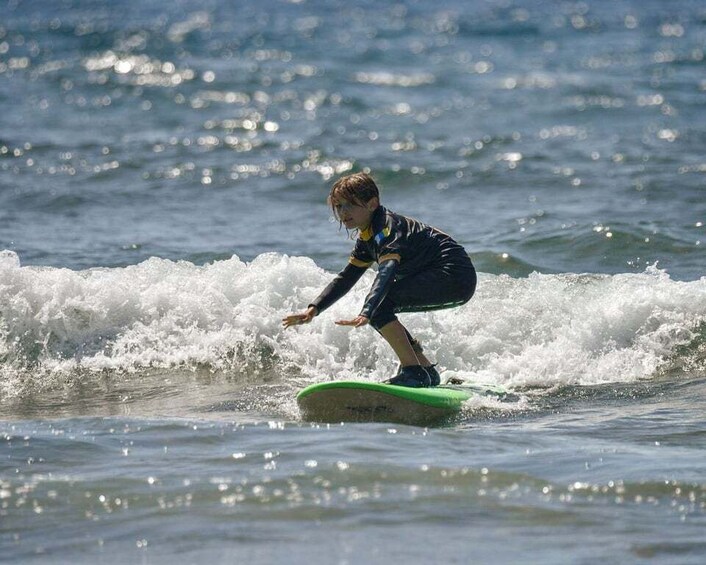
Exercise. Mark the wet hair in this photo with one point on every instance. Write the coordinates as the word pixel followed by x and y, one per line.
pixel 358 188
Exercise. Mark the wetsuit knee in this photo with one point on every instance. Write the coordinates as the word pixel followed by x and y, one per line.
pixel 381 318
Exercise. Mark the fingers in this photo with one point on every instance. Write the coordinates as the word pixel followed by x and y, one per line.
pixel 356 322
pixel 295 320
pixel 353 322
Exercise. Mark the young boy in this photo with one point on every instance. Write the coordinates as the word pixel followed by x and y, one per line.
pixel 419 269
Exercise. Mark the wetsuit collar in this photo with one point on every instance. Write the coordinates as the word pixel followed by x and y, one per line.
pixel 372 229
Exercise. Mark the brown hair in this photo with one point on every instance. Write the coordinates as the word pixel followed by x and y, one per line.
pixel 358 188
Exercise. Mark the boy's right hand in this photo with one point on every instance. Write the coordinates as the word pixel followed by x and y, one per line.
pixel 296 319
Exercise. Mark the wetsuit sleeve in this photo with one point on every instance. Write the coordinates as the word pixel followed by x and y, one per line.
pixel 339 286
pixel 361 257
pixel 380 288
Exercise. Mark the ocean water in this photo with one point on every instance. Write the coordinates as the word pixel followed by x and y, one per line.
pixel 163 175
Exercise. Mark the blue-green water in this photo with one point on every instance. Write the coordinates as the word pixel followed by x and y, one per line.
pixel 163 174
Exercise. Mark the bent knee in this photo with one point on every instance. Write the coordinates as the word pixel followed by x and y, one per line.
pixel 381 319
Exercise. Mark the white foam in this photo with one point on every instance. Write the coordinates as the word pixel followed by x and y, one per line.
pixel 544 330
pixel 549 330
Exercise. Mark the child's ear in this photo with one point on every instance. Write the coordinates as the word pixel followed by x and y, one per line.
pixel 373 203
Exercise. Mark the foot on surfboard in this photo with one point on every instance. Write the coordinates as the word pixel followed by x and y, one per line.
pixel 434 376
pixel 414 376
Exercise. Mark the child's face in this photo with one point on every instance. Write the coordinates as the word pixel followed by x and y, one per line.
pixel 354 215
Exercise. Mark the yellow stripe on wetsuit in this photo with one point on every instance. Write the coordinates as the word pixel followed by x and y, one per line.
pixel 358 263
pixel 390 256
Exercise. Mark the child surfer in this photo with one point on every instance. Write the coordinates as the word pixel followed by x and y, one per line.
pixel 419 269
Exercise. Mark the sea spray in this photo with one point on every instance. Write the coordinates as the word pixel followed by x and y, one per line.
pixel 538 331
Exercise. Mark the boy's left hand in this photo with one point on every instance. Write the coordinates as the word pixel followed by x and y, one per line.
pixel 356 322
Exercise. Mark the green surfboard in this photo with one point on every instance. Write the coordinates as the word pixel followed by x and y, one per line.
pixel 365 401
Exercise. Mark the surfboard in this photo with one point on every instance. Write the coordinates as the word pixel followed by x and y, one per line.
pixel 366 401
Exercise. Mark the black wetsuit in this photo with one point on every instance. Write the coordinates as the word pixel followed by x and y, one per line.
pixel 420 269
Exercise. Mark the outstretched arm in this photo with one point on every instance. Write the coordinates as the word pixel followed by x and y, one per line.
pixel 383 281
pixel 381 286
pixel 338 287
